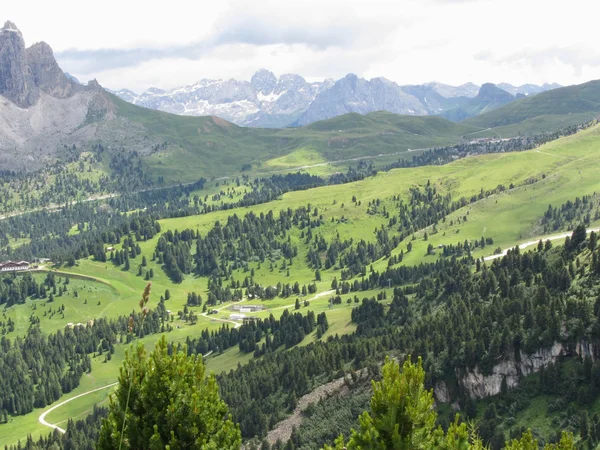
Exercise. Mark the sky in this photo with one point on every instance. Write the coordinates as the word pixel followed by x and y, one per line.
pixel 138 44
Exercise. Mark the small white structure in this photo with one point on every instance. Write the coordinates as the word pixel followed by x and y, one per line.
pixel 9 266
pixel 237 316
pixel 246 308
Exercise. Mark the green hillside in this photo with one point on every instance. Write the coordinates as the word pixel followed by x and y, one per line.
pixel 552 174
pixel 580 100
pixel 209 146
pixel 490 97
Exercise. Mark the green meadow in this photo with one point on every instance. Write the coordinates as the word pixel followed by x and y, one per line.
pixel 552 174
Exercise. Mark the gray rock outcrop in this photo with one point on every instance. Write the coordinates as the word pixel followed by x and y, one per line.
pixel 352 94
pixel 47 75
pixel 16 79
pixel 24 73
pixel 268 101
pixel 479 385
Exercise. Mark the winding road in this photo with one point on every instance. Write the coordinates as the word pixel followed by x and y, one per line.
pixel 42 418
pixel 535 242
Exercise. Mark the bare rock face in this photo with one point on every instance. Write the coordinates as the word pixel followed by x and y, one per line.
pixel 16 79
pixel 25 73
pixel 47 75
pixel 352 94
pixel 479 385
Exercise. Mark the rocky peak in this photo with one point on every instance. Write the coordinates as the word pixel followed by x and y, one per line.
pixel 26 72
pixel 264 81
pixel 10 26
pixel 47 75
pixel 16 80
pixel 491 92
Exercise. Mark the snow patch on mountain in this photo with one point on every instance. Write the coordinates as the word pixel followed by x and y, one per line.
pixel 268 101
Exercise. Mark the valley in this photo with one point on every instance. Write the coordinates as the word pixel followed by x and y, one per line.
pixel 552 174
pixel 287 263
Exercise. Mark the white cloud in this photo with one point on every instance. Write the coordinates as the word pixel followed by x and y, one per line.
pixel 137 44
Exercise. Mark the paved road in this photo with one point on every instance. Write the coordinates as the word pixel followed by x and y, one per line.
pixel 42 418
pixel 530 243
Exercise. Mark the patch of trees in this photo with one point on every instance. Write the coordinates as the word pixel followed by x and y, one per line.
pixel 260 336
pixel 81 435
pixel 98 231
pixel 445 155
pixel 580 211
pixel 38 369
pixel 456 319
pixel 233 244
pixel 465 248
pixel 15 289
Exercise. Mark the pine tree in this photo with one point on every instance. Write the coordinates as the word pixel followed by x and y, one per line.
pixel 169 402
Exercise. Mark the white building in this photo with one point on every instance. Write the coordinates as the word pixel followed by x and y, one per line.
pixel 10 266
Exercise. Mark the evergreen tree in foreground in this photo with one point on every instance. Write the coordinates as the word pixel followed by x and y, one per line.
pixel 172 405
pixel 403 417
pixel 165 401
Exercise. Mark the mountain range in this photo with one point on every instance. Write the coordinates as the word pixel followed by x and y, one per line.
pixel 268 101
pixel 46 114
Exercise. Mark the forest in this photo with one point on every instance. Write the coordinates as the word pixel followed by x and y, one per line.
pixel 504 311
pixel 460 315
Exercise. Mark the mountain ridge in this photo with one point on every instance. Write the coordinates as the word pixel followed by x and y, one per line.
pixel 268 101
pixel 490 97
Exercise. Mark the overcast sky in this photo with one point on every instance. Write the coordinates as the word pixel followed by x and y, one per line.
pixel 138 44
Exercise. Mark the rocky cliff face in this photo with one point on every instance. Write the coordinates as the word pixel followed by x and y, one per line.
pixel 489 98
pixel 42 110
pixel 479 385
pixel 264 101
pixel 24 73
pixel 47 76
pixel 354 94
pixel 16 79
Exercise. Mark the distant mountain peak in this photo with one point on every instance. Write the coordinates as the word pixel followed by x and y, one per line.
pixel 10 26
pixel 488 98
pixel 489 91
pixel 289 100
pixel 25 72
pixel 264 81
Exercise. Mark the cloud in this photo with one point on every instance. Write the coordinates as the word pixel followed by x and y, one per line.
pixel 336 24
pixel 133 45
pixel 576 56
pixel 87 61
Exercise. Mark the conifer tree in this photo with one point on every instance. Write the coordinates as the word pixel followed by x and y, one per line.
pixel 172 404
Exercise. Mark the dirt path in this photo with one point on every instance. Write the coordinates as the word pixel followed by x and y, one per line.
pixel 283 430
pixel 42 418
pixel 535 242
pixel 235 324
pixel 341 161
pixel 549 154
pixel 322 294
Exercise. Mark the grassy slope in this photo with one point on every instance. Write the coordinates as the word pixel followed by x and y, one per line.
pixel 571 100
pixel 209 146
pixel 569 164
